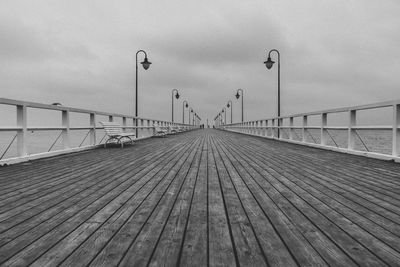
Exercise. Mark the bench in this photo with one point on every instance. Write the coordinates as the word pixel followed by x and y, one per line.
pixel 158 131
pixel 116 134
pixel 172 130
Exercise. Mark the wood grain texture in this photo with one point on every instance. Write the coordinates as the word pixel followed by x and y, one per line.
pixel 201 198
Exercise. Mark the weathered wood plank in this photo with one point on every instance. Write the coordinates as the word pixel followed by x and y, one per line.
pixel 246 243
pixel 117 247
pixel 221 248
pixel 194 250
pixel 58 232
pixel 274 248
pixel 385 218
pixel 201 198
pixel 109 218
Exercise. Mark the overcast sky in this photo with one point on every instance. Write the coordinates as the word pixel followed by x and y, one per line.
pixel 82 54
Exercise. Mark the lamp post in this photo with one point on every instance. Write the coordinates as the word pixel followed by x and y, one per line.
pixel 190 111
pixel 231 106
pixel 237 97
pixel 224 111
pixel 269 64
pixel 146 65
pixel 185 104
pixel 177 97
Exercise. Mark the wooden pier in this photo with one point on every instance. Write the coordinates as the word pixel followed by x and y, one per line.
pixel 201 198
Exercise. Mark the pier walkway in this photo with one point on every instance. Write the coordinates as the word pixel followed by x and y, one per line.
pixel 201 198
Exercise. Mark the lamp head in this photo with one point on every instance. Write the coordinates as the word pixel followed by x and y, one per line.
pixel 145 63
pixel 228 105
pixel 237 95
pixel 177 95
pixel 269 63
pixel 187 105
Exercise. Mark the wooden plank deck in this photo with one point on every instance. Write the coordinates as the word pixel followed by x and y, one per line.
pixel 202 198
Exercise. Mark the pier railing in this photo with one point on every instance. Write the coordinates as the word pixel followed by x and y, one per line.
pixel 17 146
pixel 369 139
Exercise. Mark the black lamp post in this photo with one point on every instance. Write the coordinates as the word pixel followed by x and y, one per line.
pixel 185 104
pixel 237 97
pixel 231 106
pixel 269 64
pixel 146 65
pixel 190 111
pixel 177 97
pixel 224 111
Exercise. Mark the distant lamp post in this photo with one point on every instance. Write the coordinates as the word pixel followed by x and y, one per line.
pixel 146 64
pixel 177 97
pixel 269 63
pixel 230 105
pixel 190 111
pixel 184 104
pixel 224 111
pixel 237 97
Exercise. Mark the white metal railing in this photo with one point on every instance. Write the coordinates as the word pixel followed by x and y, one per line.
pixel 301 134
pixel 144 126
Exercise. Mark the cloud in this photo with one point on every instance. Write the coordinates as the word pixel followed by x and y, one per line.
pixel 21 42
pixel 81 53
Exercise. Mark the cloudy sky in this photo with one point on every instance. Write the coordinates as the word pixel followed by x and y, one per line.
pixel 82 54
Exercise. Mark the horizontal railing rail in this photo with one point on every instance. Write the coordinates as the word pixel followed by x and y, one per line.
pixel 283 128
pixel 144 126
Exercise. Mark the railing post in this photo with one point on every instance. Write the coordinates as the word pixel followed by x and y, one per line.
pixel 22 133
pixel 351 133
pixel 396 131
pixel 273 128
pixel 149 131
pixel 266 128
pixel 280 121
pixel 92 135
pixel 262 129
pixel 124 123
pixel 135 123
pixel 140 129
pixel 291 128
pixel 304 130
pixel 66 130
pixel 324 134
